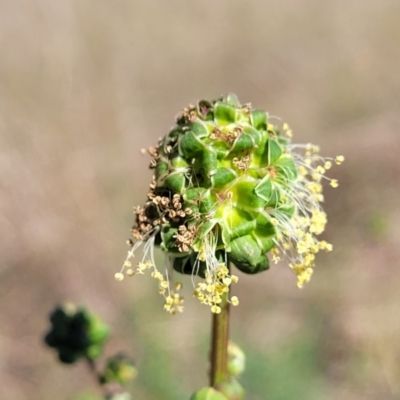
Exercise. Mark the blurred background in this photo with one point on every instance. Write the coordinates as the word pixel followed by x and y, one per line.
pixel 84 85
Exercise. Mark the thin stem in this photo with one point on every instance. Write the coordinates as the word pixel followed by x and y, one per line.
pixel 107 391
pixel 219 343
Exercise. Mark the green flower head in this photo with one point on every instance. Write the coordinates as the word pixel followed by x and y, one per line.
pixel 229 187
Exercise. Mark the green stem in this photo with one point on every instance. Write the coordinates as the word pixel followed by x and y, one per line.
pixel 219 343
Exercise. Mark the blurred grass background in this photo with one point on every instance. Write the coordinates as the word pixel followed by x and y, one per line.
pixel 85 84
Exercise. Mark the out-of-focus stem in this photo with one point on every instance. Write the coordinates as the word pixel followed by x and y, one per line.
pixel 219 343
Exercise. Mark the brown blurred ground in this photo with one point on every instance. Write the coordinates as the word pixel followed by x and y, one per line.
pixel 84 84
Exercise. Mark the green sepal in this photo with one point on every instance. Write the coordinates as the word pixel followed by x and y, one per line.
pixel 243 142
pixel 190 145
pixel 245 196
pixel 274 151
pixel 221 148
pixel 254 133
pixel 182 265
pixel 247 255
pixel 179 163
pixel 162 170
pixel 264 242
pixel 222 177
pixel 238 223
pixel 208 393
pixel 168 241
pixel 194 193
pixel 275 196
pixel 224 113
pixel 210 162
pixel 264 188
pixel 176 182
pixel 207 202
pixel 258 119
pixel 260 153
pixel 205 228
pixel 199 129
pixel 188 265
pixel 287 208
pixel 264 225
pixel 285 166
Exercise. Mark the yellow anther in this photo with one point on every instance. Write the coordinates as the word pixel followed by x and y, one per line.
pixel 227 281
pixel 234 300
pixel 164 284
pixel 339 160
pixel 119 276
pixel 215 309
pixel 334 183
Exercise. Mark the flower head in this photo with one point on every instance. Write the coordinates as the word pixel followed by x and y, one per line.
pixel 229 186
